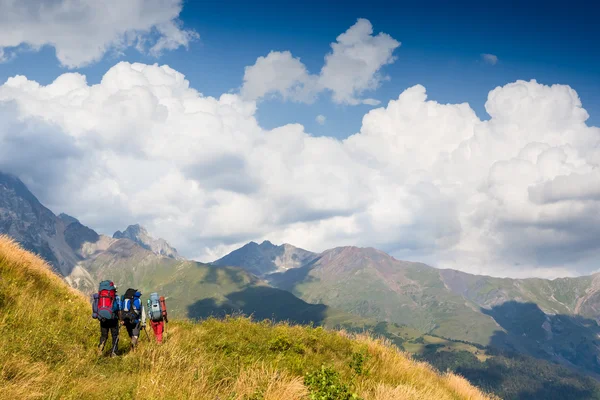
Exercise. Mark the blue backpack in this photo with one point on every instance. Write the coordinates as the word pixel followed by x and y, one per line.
pixel 154 307
pixel 131 306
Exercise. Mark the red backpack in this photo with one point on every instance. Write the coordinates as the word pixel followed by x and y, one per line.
pixel 106 297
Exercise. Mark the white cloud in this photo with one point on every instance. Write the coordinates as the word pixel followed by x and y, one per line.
pixel 351 68
pixel 279 72
pixel 83 31
pixel 320 119
pixel 515 195
pixel 489 58
pixel 354 63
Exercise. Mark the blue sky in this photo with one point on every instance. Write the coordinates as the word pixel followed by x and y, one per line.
pixel 441 47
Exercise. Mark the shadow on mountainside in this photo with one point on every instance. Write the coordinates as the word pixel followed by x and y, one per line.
pixel 212 275
pixel 564 339
pixel 557 391
pixel 289 279
pixel 519 377
pixel 262 302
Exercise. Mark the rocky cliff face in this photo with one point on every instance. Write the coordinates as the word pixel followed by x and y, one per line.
pixel 77 234
pixel 65 243
pixel 140 235
pixel 26 220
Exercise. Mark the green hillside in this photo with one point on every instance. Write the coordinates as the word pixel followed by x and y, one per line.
pixel 195 290
pixel 534 317
pixel 48 340
pixel 370 283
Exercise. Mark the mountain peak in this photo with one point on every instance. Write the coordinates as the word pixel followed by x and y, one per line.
pixel 67 219
pixel 266 258
pixel 131 232
pixel 139 234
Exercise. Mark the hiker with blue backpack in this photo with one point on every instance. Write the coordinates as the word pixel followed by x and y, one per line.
pixel 157 312
pixel 133 315
pixel 106 309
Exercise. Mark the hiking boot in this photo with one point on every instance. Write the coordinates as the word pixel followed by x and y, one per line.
pixel 113 354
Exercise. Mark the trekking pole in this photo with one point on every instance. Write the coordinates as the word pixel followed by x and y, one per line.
pixel 148 336
pixel 116 340
pixel 115 344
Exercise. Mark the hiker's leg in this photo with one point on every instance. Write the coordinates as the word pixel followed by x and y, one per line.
pixel 136 333
pixel 114 332
pixel 103 335
pixel 159 331
pixel 156 329
pixel 129 328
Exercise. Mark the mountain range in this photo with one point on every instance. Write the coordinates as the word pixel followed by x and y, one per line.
pixel 351 287
pixel 133 258
pixel 551 319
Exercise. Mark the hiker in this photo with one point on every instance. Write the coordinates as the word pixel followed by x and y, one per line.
pixel 132 314
pixel 157 312
pixel 106 308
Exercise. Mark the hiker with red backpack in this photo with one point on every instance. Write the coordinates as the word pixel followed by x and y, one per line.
pixel 106 308
pixel 133 315
pixel 157 312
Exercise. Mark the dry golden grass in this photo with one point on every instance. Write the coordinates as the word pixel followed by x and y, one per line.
pixel 48 342
pixel 408 379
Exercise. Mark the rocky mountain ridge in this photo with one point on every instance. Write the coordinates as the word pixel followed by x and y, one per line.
pixel 63 241
pixel 266 258
pixel 140 235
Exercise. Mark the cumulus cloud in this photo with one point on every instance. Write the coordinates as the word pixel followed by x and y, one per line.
pixel 351 68
pixel 489 59
pixel 513 195
pixel 279 72
pixel 83 31
pixel 321 119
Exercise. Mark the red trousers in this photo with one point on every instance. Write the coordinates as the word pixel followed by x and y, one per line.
pixel 158 327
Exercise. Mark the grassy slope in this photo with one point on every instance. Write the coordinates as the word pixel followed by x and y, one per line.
pixel 422 301
pixel 47 343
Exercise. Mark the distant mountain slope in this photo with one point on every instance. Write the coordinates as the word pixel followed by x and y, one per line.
pixel 531 316
pixel 370 283
pixel 266 258
pixel 140 235
pixel 579 296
